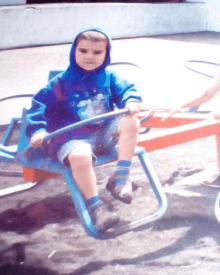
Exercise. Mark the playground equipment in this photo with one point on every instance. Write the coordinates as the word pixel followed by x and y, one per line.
pixel 176 130
pixel 37 168
pixel 180 128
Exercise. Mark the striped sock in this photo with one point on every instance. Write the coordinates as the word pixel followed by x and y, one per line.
pixel 93 203
pixel 122 169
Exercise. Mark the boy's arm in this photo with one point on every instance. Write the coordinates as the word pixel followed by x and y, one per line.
pixel 36 115
pixel 124 93
pixel 134 107
pixel 38 138
pixel 209 94
pixel 41 105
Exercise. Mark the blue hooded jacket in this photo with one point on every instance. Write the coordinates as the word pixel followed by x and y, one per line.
pixel 77 94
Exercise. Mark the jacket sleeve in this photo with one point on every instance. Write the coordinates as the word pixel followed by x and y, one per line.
pixel 41 103
pixel 123 91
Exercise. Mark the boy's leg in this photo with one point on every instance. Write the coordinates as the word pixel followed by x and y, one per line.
pixel 128 129
pixel 118 184
pixel 80 160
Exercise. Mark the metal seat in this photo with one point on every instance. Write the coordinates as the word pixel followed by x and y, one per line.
pixel 53 165
pixel 46 165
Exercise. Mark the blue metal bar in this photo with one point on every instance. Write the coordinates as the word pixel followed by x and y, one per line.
pixel 80 206
pixel 8 173
pixel 78 125
pixel 193 109
pixel 158 190
pixel 154 181
pixel 9 131
pixel 15 96
pixel 52 165
pixel 217 208
pixel 10 150
pixel 86 122
pixel 85 217
pixel 6 157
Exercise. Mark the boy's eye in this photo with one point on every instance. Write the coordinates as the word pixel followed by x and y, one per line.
pixel 97 52
pixel 83 50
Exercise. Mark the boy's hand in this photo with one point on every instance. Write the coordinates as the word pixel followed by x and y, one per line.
pixel 171 113
pixel 134 107
pixel 38 139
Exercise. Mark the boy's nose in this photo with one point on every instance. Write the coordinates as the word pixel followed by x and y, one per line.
pixel 90 55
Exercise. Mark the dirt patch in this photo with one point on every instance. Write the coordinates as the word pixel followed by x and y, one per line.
pixel 40 232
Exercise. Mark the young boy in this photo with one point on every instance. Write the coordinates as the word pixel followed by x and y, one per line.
pixel 208 95
pixel 87 89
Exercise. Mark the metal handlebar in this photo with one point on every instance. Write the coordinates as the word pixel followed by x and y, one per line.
pixel 80 124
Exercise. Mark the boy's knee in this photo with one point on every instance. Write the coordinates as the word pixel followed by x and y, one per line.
pixel 80 159
pixel 135 122
pixel 130 123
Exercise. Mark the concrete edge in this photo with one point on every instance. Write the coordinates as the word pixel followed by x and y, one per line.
pixel 30 25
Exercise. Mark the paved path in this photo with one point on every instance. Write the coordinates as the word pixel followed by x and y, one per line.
pixel 165 81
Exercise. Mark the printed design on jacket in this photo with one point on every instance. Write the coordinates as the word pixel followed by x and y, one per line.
pixel 92 107
pixel 89 104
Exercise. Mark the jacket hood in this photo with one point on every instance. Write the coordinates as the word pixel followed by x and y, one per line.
pixel 73 65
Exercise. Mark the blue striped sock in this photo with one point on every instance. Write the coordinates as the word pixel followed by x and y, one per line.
pixel 123 169
pixel 93 203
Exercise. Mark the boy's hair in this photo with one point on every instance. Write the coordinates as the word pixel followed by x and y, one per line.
pixel 94 36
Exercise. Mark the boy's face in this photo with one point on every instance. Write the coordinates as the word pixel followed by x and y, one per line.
pixel 90 55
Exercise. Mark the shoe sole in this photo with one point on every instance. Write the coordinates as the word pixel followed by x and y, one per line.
pixel 110 225
pixel 126 199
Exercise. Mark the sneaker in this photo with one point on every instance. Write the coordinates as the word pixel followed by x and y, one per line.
pixel 120 192
pixel 103 219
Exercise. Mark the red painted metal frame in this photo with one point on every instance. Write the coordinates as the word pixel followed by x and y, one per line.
pixel 176 130
pixel 182 128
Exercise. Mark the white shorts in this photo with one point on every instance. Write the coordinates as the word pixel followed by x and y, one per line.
pixel 101 141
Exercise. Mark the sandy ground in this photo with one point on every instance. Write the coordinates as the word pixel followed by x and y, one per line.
pixel 39 229
pixel 41 234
